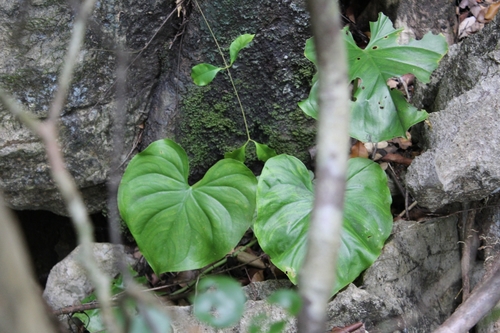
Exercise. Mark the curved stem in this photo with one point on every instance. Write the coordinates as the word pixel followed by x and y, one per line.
pixel 228 71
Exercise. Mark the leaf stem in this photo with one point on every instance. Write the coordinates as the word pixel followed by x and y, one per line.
pixel 213 266
pixel 228 71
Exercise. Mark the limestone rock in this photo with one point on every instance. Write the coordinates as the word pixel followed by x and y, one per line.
pixel 417 17
pixel 460 163
pixel 34 36
pixel 68 283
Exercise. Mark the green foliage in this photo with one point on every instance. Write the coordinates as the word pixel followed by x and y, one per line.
pixel 219 301
pixel 203 74
pixel 147 320
pixel 180 227
pixel 285 198
pixel 264 152
pixel 377 112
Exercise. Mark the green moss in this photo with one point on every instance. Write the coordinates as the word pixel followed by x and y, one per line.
pixel 207 130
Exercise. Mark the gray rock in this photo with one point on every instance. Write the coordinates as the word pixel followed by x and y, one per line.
pixel 68 283
pixel 34 37
pixel 460 163
pixel 416 17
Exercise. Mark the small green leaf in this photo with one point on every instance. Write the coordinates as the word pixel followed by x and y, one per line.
pixel 238 44
pixel 285 198
pixel 287 299
pixel 203 74
pixel 220 301
pixel 237 154
pixel 180 227
pixel 309 51
pixel 263 151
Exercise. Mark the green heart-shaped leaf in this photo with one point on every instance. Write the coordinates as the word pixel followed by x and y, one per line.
pixel 180 227
pixel 285 198
pixel 238 44
pixel 377 113
pixel 203 74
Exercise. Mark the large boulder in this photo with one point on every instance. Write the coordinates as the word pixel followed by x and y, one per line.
pixel 34 37
pixel 461 141
pixel 271 76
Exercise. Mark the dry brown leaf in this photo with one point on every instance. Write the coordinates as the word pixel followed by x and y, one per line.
pixel 396 158
pixel 258 276
pixel 492 11
pixel 250 259
pixel 359 150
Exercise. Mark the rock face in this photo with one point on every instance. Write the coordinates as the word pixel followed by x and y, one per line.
pixel 68 283
pixel 417 17
pixel 462 146
pixel 271 76
pixel 34 37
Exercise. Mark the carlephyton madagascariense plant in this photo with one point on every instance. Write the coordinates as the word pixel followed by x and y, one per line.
pixel 379 113
pixel 181 227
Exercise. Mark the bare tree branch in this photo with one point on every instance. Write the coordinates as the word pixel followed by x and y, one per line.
pixel 317 275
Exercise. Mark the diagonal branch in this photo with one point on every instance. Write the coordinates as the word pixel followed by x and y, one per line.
pixel 482 299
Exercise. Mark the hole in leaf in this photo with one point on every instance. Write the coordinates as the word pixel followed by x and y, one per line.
pixel 358 58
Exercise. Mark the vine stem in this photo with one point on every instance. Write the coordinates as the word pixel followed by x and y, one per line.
pixel 228 71
pixel 215 265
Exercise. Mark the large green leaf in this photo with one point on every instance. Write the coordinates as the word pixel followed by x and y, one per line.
pixel 285 198
pixel 377 113
pixel 376 116
pixel 180 227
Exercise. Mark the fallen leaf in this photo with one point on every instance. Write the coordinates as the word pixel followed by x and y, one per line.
pixel 396 158
pixel 359 150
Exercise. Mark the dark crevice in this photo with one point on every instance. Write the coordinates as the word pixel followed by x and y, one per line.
pixel 51 237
